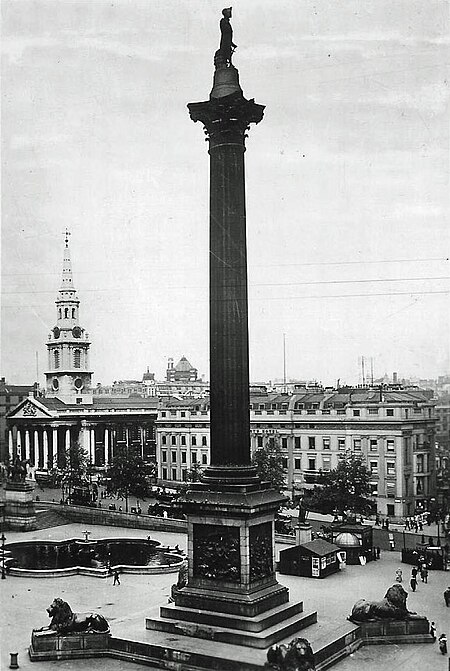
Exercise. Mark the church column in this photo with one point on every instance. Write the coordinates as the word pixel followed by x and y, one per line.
pixel 127 436
pixel 36 449
pixel 10 445
pixel 55 447
pixel 27 444
pixel 106 447
pixel 67 443
pixel 92 447
pixel 142 434
pixel 45 449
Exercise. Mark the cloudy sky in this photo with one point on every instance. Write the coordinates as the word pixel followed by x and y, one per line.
pixel 347 182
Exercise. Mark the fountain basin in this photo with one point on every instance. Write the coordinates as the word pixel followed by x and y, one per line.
pixel 97 558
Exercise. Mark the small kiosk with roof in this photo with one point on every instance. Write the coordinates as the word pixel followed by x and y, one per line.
pixel 314 559
pixel 355 539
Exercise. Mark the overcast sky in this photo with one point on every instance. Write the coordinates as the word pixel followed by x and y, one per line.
pixel 347 182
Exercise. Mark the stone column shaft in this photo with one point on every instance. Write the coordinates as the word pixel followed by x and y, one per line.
pixel 55 446
pixel 106 447
pixel 10 445
pixel 27 445
pixel 46 449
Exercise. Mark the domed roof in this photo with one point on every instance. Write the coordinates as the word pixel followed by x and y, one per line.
pixel 346 539
pixel 183 366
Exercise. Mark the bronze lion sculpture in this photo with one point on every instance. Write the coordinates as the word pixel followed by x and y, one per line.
pixel 297 656
pixel 65 621
pixel 392 607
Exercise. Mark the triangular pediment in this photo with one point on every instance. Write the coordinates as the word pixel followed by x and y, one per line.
pixel 29 408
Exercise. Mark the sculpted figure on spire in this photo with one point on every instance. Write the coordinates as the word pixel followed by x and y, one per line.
pixel 222 57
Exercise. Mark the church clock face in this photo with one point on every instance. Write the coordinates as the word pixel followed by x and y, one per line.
pixel 78 383
pixel 55 383
pixel 56 332
pixel 76 332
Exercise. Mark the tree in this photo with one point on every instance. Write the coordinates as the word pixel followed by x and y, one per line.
pixel 269 464
pixel 344 490
pixel 74 470
pixel 128 475
pixel 194 473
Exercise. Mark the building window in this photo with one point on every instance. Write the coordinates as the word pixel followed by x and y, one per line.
pixel 164 473
pixel 311 464
pixel 373 465
pixel 163 413
pixel 77 358
pixel 357 444
pixel 194 441
pixel 194 457
pixel 341 443
pixel 66 313
pixel 297 442
pixel 390 445
pixel 284 443
pixel 204 441
pixel 73 313
pixel 284 462
pixel 390 509
pixel 56 358
pixel 373 445
pixel 183 440
pixel 184 474
pixel 183 414
pixel 297 464
pixel 326 461
pixel 390 468
pixel 204 459
pixel 163 440
pixel 173 440
pixel 60 313
pixel 356 413
pixel 419 463
pixel 259 441
pixel 164 455
pixel 389 412
pixel 326 443
pixel 373 488
pixel 173 455
pixel 373 411
pixel 174 473
pixel 311 442
pixel 183 457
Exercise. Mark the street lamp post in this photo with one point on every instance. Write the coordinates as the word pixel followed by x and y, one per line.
pixel 3 539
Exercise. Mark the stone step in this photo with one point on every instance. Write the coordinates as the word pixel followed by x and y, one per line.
pixel 46 519
pixel 257 623
pixel 260 639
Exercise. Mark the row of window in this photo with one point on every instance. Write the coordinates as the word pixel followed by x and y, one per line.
pixel 325 444
pixel 174 457
pixel 183 440
pixel 76 358
pixel 66 313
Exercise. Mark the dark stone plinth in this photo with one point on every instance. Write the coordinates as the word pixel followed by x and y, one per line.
pixel 415 629
pixel 73 646
pixel 20 514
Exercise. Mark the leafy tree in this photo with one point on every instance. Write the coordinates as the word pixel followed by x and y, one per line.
pixel 75 468
pixel 269 464
pixel 344 490
pixel 194 473
pixel 128 475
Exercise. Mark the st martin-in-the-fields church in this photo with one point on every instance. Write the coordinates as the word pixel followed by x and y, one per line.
pixel 42 429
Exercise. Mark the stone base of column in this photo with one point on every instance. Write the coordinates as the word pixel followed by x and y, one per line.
pixel 232 594
pixel 20 514
pixel 303 533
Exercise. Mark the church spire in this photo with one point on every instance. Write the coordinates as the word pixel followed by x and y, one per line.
pixel 67 279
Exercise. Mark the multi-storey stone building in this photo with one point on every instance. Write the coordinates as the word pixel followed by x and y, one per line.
pixel 391 429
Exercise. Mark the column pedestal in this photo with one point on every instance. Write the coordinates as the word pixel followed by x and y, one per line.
pixel 20 513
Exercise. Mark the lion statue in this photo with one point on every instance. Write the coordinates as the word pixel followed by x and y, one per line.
pixel 297 656
pixel 392 607
pixel 65 621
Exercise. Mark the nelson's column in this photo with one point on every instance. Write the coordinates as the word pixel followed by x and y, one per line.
pixel 231 579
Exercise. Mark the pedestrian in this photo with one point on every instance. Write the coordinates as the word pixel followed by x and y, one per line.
pixel 414 572
pixel 377 520
pixel 407 524
pixel 378 549
pixel 386 524
pixel 116 578
pixel 430 541
pixel 420 526
pixel 443 644
pixel 447 597
pixel 399 575
pixel 416 527
pixel 413 583
pixel 433 631
pixel 424 573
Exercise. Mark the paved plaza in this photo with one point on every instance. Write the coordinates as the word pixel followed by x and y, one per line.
pixel 24 600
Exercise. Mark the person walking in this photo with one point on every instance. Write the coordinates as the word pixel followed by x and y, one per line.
pixel 424 573
pixel 413 583
pixel 447 597
pixel 443 644
pixel 116 578
pixel 399 575
pixel 433 632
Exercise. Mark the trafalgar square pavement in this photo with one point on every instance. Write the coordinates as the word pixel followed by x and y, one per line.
pixel 23 602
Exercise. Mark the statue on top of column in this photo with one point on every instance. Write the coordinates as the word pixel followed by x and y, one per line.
pixel 222 57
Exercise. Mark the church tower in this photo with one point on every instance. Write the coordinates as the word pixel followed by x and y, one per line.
pixel 68 377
